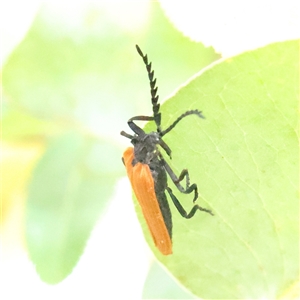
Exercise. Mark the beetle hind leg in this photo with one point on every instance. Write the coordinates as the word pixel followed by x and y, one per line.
pixel 182 211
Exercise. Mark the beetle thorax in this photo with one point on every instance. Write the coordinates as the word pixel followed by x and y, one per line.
pixel 145 147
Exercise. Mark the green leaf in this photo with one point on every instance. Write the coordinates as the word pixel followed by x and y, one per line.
pixel 66 196
pixel 244 158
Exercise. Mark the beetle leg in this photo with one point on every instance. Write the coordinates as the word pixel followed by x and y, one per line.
pixel 127 135
pixel 182 211
pixel 135 128
pixel 189 188
pixel 141 118
pixel 166 148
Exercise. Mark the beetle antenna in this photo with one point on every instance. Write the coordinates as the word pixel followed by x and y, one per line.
pixel 153 89
pixel 187 113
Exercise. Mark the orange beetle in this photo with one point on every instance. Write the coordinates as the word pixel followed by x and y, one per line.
pixel 147 171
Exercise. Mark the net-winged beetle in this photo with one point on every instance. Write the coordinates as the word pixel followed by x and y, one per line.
pixel 147 171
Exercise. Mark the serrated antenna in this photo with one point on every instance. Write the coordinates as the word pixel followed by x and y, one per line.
pixel 153 89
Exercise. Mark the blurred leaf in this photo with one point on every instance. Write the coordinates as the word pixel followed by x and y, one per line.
pixel 244 157
pixel 17 162
pixel 160 285
pixel 67 194
pixel 18 125
pixel 94 77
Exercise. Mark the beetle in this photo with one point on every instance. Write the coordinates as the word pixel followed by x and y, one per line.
pixel 147 171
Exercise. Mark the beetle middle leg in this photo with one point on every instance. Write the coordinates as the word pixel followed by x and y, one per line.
pixel 176 180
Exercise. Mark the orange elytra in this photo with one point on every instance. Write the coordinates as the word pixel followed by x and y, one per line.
pixel 143 186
